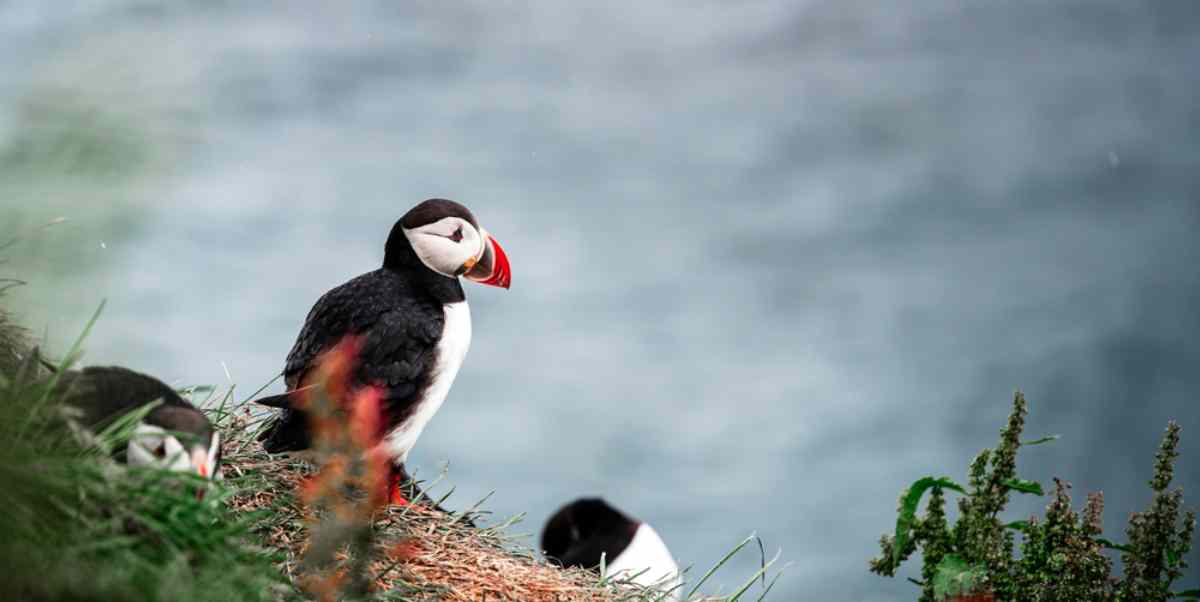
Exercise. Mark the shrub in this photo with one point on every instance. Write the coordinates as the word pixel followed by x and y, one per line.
pixel 1062 556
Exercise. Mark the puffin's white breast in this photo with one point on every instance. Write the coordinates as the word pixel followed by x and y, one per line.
pixel 647 554
pixel 450 351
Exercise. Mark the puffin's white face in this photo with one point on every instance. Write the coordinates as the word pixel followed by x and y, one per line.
pixel 449 246
pixel 153 446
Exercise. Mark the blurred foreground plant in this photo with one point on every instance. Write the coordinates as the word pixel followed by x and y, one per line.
pixel 14 340
pixel 341 499
pixel 1061 556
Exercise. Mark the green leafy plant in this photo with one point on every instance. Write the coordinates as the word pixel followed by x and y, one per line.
pixel 1062 556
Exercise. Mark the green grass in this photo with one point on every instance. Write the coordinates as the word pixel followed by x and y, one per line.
pixel 78 526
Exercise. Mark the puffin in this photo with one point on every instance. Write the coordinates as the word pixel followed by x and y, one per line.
pixel 579 533
pixel 174 435
pixel 412 328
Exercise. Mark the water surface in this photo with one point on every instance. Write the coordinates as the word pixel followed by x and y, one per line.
pixel 772 261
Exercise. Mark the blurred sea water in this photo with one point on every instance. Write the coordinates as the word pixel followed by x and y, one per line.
pixel 773 261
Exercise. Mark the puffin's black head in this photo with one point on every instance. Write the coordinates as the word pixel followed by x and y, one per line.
pixel 174 435
pixel 583 530
pixel 445 237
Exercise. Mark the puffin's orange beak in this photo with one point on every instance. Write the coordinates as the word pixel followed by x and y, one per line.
pixel 200 462
pixel 492 267
pixel 200 465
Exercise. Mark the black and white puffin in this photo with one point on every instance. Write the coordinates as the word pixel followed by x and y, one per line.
pixel 412 323
pixel 580 532
pixel 174 435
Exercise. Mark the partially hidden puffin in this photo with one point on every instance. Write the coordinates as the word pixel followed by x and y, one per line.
pixel 412 324
pixel 578 534
pixel 174 435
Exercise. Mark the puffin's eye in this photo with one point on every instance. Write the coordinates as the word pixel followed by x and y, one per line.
pixel 457 236
pixel 160 451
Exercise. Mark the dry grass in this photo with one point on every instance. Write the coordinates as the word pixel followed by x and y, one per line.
pixel 14 340
pixel 418 553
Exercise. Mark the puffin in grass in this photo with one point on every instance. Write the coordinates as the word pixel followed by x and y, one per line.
pixel 173 435
pixel 581 533
pixel 411 326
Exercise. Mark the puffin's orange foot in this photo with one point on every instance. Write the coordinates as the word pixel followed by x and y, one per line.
pixel 396 495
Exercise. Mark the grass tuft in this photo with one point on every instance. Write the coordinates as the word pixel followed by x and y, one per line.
pixel 78 525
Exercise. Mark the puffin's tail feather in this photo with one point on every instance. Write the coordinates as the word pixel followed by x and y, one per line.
pixel 283 400
pixel 287 432
pixel 275 401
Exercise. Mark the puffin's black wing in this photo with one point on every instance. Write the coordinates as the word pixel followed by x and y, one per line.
pixel 103 393
pixel 399 330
